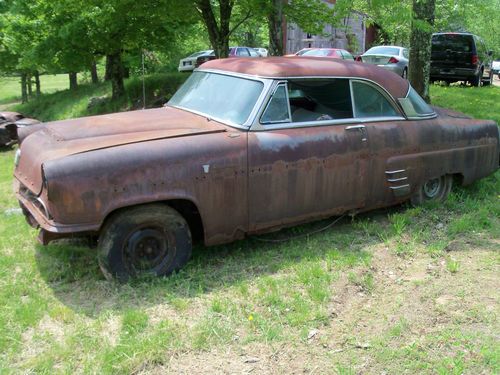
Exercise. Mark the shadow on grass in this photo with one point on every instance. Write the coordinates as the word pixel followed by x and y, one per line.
pixel 71 269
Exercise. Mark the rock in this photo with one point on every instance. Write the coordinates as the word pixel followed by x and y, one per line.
pixel 312 333
pixel 439 226
pixel 251 360
pixel 13 211
pixel 362 345
pixel 97 101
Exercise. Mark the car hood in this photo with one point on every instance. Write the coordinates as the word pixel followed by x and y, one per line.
pixel 55 140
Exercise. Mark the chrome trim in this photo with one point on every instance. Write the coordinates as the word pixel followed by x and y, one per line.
pixel 396 171
pixel 397 179
pixel 46 211
pixel 355 127
pixel 399 187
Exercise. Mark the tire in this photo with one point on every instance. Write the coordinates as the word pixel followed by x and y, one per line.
pixel 144 241
pixel 477 80
pixel 433 190
pixel 405 73
pixel 489 81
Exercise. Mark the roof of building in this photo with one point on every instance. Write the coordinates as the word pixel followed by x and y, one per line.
pixel 295 66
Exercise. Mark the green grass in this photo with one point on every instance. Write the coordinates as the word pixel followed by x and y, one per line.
pixel 71 104
pixel 402 290
pixel 10 87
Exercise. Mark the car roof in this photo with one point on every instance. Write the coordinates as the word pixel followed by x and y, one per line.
pixel 296 66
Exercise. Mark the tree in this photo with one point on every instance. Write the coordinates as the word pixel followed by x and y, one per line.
pixel 420 42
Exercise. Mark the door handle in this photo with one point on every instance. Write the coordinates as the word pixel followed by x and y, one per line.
pixel 360 128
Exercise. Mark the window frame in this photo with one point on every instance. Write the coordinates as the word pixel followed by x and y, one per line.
pixel 277 86
pixel 258 126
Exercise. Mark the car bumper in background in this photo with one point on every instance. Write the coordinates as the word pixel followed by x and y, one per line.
pixel 457 74
pixel 393 68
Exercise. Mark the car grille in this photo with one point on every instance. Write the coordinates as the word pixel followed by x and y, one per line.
pixel 34 200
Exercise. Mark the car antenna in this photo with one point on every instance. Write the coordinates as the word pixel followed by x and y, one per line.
pixel 143 82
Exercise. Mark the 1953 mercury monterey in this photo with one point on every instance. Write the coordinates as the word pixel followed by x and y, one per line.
pixel 244 147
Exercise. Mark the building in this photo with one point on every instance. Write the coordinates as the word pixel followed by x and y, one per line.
pixel 353 35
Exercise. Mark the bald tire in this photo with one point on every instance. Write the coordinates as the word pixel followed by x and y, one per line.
pixel 144 241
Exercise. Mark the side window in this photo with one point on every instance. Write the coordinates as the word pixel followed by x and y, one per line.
pixel 369 102
pixel 277 109
pixel 242 52
pixel 347 56
pixel 253 52
pixel 319 99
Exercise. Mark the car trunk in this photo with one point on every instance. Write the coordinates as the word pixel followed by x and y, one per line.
pixel 452 51
pixel 376 59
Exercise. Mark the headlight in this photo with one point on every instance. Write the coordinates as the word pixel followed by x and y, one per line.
pixel 17 157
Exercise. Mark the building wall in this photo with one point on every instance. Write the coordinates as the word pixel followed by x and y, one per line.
pixel 350 36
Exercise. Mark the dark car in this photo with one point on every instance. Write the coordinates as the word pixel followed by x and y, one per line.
pixel 460 57
pixel 245 146
pixel 10 122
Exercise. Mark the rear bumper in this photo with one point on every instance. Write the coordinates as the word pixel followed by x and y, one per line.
pixel 450 74
pixel 393 68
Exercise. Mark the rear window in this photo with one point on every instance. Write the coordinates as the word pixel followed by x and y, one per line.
pixel 414 106
pixel 383 51
pixel 453 42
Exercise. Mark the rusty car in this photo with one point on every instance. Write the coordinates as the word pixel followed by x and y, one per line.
pixel 245 146
pixel 9 123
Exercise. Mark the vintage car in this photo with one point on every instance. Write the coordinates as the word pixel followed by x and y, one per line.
pixel 9 123
pixel 246 146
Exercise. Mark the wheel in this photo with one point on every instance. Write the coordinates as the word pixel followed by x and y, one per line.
pixel 149 240
pixel 433 190
pixel 490 79
pixel 405 73
pixel 477 80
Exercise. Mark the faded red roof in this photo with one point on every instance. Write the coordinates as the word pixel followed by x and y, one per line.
pixel 296 66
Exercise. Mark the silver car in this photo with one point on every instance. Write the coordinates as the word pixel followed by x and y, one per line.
pixel 392 58
pixel 189 63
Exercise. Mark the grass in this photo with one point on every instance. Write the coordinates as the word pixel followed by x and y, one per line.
pixel 65 104
pixel 402 290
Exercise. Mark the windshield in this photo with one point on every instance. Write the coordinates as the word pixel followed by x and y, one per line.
pixel 383 51
pixel 225 98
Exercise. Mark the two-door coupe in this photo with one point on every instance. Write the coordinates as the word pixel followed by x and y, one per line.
pixel 245 146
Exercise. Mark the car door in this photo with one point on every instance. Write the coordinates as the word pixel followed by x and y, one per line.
pixel 307 156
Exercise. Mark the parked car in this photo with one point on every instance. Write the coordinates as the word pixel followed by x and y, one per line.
pixel 392 58
pixel 262 51
pixel 9 123
pixel 495 67
pixel 189 63
pixel 334 53
pixel 233 52
pixel 460 57
pixel 299 53
pixel 244 147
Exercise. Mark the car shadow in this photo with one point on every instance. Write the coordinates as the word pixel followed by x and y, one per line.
pixel 71 270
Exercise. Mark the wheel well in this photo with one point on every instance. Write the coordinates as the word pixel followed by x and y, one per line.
pixel 458 179
pixel 191 214
pixel 186 208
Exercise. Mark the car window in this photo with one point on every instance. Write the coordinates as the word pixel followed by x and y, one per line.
pixel 347 56
pixel 242 52
pixel 370 102
pixel 277 110
pixel 452 42
pixel 253 52
pixel 223 97
pixel 316 52
pixel 382 50
pixel 415 106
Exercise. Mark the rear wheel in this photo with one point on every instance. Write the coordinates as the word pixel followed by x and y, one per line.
pixel 144 241
pixel 489 81
pixel 433 190
pixel 477 80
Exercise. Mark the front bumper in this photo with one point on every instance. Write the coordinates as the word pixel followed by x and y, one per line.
pixel 38 217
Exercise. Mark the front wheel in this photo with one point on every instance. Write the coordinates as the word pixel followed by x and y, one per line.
pixel 144 241
pixel 433 190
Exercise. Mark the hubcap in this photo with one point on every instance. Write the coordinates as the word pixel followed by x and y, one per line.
pixel 431 188
pixel 146 249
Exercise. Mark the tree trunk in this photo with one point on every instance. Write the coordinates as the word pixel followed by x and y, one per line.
pixel 73 81
pixel 24 91
pixel 107 72
pixel 217 33
pixel 275 23
pixel 116 74
pixel 37 84
pixel 93 73
pixel 420 46
pixel 30 86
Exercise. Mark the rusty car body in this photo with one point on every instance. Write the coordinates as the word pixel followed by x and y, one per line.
pixel 244 147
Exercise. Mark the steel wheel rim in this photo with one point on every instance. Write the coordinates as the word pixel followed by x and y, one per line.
pixel 147 250
pixel 432 187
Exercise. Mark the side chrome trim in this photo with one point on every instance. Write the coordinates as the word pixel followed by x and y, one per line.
pixel 396 171
pixel 355 127
pixel 397 179
pixel 399 187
